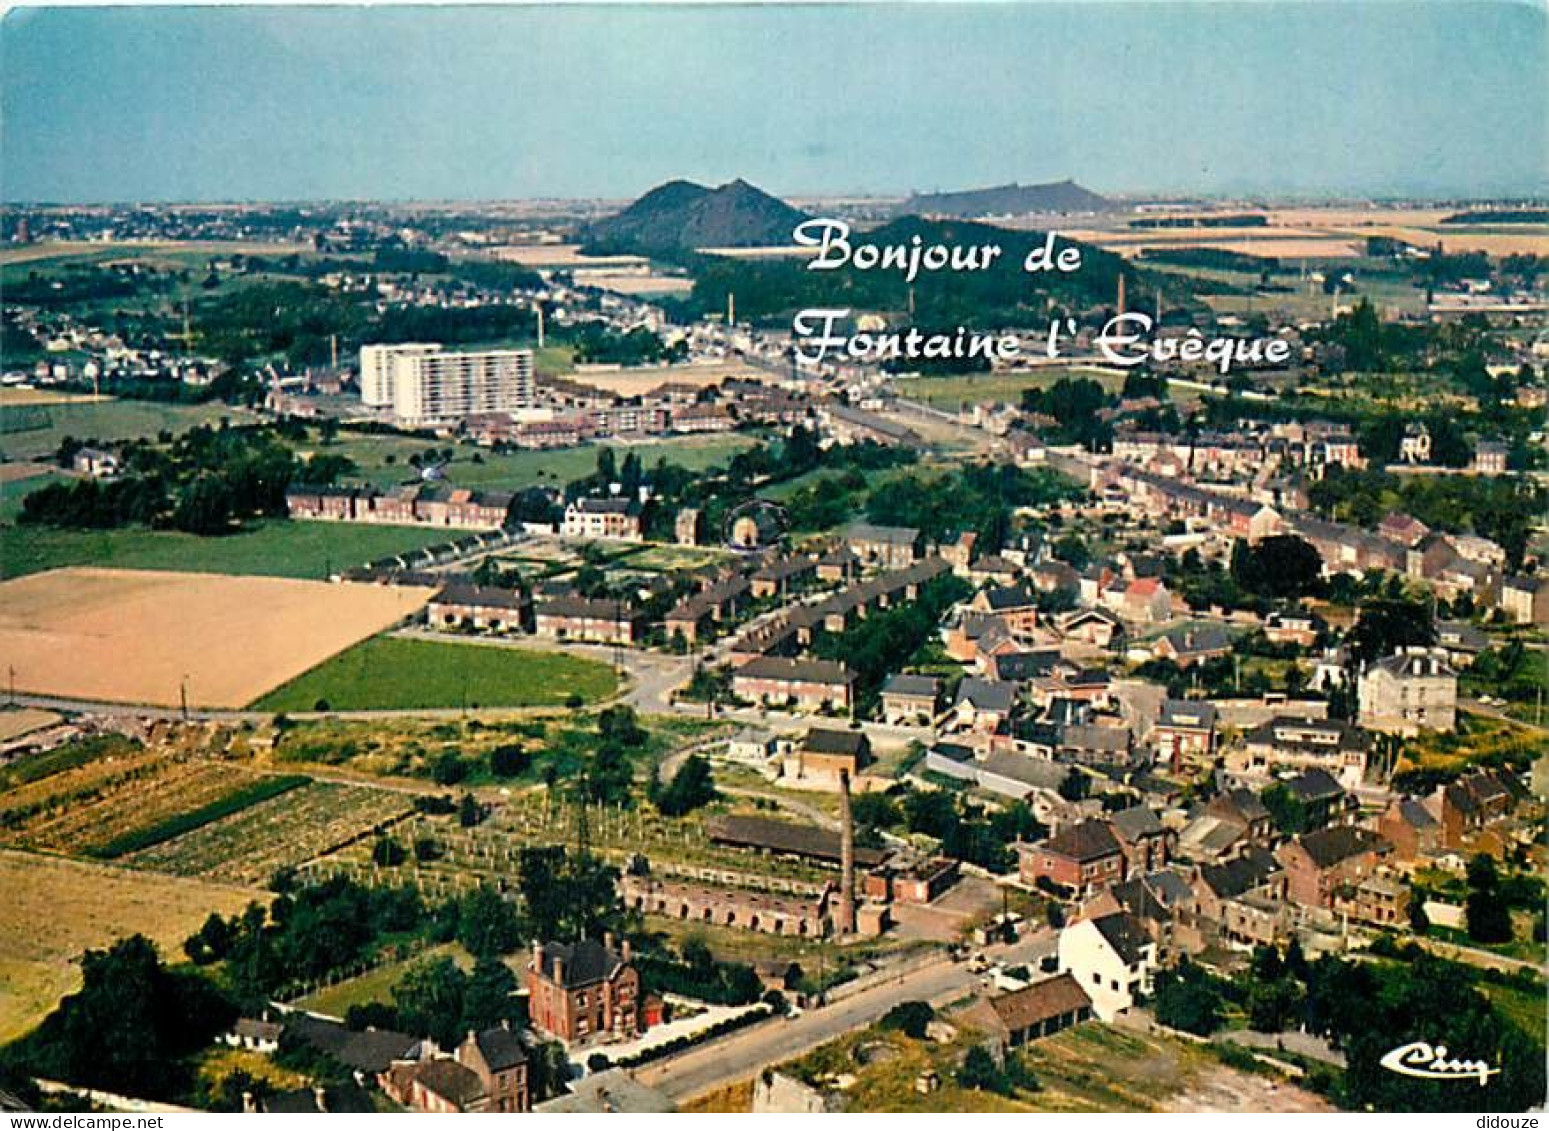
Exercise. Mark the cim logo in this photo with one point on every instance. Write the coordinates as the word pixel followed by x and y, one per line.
pixel 1420 1059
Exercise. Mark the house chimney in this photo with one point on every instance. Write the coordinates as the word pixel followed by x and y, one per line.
pixel 607 940
pixel 249 1105
pixel 537 956
pixel 846 857
pixel 320 1097
pixel 624 950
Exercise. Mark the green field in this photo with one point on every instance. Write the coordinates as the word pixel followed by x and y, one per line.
pixel 274 549
pixel 948 393
pixel 110 421
pixel 521 469
pixel 390 673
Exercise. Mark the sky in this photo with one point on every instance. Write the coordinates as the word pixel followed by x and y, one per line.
pixel 1383 98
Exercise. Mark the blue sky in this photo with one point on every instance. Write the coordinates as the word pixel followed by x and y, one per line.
pixel 1384 98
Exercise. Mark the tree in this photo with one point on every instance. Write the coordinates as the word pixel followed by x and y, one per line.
pixel 1487 914
pixel 509 761
pixel 692 786
pixel 489 997
pixel 129 1027
pixel 1385 626
pixel 487 924
pixel 1187 998
pixel 980 1073
pixel 1281 567
pixel 431 998
pixel 1287 810
pixel 469 811
pixel 911 1018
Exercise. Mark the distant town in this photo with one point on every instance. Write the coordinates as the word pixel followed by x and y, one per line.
pixel 464 659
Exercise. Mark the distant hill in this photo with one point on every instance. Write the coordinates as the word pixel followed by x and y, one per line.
pixel 1008 200
pixel 680 216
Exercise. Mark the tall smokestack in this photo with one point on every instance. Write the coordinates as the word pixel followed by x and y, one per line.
pixel 1120 296
pixel 846 858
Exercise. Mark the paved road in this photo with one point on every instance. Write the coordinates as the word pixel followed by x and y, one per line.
pixel 741 1055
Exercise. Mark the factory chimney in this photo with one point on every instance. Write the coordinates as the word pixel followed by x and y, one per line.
pixel 846 923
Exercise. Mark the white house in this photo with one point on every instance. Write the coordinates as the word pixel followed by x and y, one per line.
pixel 1112 958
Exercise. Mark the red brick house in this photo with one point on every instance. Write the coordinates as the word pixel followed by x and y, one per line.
pixel 1083 856
pixel 583 993
pixel 486 1073
pixel 1319 864
pixel 811 684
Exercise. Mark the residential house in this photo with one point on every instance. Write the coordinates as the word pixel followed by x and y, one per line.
pixel 813 685
pixel 616 519
pixel 487 607
pixel 579 618
pixel 583 993
pixel 1413 690
pixel 1192 645
pixel 1526 599
pixel 1113 960
pixel 1466 806
pixel 1146 843
pixel 1185 733
pixel 891 547
pixel 1080 857
pixel 1093 626
pixel 1285 742
pixel 1321 863
pixel 1411 828
pixel 486 1073
pixel 983 706
pixel 910 699
pixel 1015 605
pixel 1240 903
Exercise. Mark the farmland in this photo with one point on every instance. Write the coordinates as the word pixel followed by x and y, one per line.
pixel 128 798
pixel 250 846
pixel 107 421
pixel 54 909
pixel 388 673
pixel 274 548
pixel 149 637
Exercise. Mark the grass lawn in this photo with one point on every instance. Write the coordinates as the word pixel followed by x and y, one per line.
pixel 389 673
pixel 376 985
pixel 108 421
pixel 948 393
pixel 272 549
pixel 515 470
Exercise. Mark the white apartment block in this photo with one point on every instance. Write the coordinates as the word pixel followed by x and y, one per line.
pixel 376 369
pixel 426 385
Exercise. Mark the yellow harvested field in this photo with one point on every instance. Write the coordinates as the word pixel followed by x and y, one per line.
pixel 635 382
pixel 56 909
pixel 562 255
pixel 19 396
pixel 133 636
